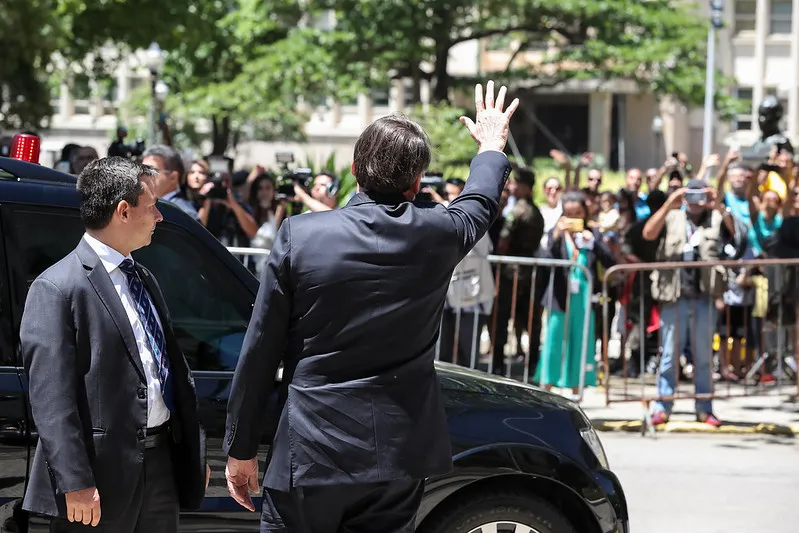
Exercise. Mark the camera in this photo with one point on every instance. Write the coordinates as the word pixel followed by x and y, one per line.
pixel 434 181
pixel 302 177
pixel 219 172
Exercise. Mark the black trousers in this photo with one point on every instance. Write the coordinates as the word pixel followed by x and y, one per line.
pixel 388 507
pixel 154 507
pixel 466 336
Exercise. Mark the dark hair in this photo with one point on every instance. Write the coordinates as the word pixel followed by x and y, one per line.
pixel 608 195
pixel 258 212
pixel 172 160
pixel 576 197
pixel 391 154
pixel 106 182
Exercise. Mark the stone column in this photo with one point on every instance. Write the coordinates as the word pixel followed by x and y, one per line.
pixel 599 120
pixel 762 28
pixel 396 98
pixel 793 91
pixel 365 109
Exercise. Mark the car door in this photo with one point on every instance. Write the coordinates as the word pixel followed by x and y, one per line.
pixel 209 307
pixel 33 239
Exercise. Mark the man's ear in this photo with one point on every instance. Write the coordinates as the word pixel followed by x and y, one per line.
pixel 352 168
pixel 122 210
pixel 417 185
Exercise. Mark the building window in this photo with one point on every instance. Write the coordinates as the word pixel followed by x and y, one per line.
pixel 781 14
pixel 745 15
pixel 744 120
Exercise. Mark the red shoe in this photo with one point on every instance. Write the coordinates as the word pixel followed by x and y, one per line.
pixel 767 378
pixel 659 418
pixel 709 419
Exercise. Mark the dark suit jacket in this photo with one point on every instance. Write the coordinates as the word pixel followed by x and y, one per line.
pixel 88 391
pixel 351 302
pixel 560 284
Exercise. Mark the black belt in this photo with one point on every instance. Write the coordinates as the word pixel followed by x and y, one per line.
pixel 157 436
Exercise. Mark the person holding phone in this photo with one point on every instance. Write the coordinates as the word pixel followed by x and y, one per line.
pixel 568 296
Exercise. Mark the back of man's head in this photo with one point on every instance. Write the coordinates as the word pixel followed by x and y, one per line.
pixel 104 183
pixel 390 155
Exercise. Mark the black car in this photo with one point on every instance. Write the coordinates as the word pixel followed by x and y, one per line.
pixel 525 459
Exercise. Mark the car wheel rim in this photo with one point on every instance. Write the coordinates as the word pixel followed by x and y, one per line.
pixel 504 526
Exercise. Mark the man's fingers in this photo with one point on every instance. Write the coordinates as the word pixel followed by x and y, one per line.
pixel 500 98
pixel 78 517
pixel 87 516
pixel 254 482
pixel 469 123
pixel 478 98
pixel 490 95
pixel 512 108
pixel 241 495
pixel 96 514
pixel 71 513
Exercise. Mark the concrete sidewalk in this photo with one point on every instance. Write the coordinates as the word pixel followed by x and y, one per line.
pixel 776 413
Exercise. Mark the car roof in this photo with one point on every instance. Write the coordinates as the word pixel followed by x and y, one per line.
pixel 18 170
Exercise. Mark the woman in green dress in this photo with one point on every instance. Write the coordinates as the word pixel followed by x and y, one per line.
pixel 561 356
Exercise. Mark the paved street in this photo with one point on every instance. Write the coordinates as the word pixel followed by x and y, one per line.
pixel 707 484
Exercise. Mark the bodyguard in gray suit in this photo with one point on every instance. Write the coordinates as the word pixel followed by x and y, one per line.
pixel 120 445
pixel 351 303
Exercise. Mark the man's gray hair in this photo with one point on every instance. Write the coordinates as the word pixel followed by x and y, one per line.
pixel 171 158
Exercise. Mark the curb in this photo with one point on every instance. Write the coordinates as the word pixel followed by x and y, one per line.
pixel 637 426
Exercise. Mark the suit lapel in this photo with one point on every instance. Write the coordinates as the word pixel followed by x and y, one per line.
pixel 102 284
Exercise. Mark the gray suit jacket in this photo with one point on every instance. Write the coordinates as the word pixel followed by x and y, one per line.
pixel 351 302
pixel 88 391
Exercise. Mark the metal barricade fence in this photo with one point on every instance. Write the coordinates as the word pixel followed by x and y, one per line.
pixel 767 311
pixel 517 280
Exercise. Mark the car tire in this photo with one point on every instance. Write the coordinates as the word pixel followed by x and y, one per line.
pixel 477 514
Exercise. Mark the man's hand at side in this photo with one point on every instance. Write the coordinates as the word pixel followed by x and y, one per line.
pixel 242 479
pixel 491 126
pixel 83 506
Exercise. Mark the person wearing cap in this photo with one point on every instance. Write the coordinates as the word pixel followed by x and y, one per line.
pixel 704 230
pixel 520 236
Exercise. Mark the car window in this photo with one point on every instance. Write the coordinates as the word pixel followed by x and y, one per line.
pixel 209 308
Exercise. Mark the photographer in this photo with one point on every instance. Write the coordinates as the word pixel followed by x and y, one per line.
pixel 229 219
pixel 704 231
pixel 119 148
pixel 324 193
pixel 170 169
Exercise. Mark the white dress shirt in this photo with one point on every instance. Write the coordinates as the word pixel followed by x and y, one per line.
pixel 157 412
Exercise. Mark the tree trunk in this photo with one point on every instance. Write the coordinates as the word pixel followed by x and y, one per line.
pixel 441 90
pixel 220 134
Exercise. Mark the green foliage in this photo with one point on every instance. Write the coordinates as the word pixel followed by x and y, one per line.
pixel 453 146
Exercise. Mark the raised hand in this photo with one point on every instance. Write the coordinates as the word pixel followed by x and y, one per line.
pixel 491 125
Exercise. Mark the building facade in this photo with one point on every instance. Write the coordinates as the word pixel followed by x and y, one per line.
pixel 759 47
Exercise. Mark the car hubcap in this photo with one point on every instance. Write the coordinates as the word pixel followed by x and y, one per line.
pixel 504 527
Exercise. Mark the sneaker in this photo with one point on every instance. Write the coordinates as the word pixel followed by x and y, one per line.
pixel 659 417
pixel 709 419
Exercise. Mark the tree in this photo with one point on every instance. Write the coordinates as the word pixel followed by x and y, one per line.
pixel 659 44
pixel 30 34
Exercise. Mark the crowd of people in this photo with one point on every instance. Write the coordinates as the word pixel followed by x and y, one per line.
pixel 669 214
pixel 725 210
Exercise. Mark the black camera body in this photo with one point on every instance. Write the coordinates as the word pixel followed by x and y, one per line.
pixel 301 176
pixel 131 151
pixel 432 181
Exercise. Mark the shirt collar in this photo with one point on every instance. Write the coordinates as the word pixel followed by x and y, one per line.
pixel 168 196
pixel 110 258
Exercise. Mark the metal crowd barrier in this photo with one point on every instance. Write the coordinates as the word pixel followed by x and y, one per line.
pixel 772 320
pixel 472 324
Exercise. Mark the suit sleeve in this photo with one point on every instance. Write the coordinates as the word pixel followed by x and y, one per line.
pixel 47 337
pixel 261 352
pixel 476 208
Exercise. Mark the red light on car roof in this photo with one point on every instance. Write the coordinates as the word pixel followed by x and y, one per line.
pixel 26 147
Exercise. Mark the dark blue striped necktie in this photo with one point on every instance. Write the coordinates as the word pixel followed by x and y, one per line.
pixel 155 337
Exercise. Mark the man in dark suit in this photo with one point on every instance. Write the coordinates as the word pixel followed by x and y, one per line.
pixel 350 302
pixel 120 445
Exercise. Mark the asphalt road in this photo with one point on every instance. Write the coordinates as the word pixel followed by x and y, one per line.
pixel 707 484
